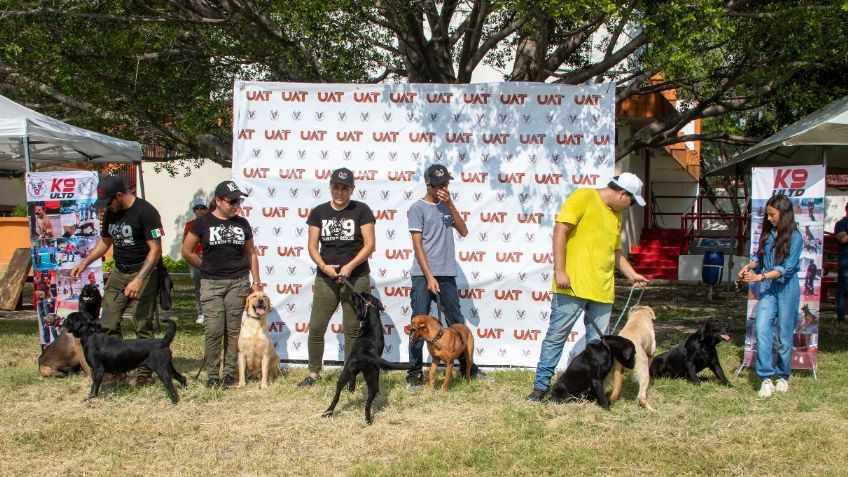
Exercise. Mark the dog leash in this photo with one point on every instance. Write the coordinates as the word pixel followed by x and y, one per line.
pixel 624 310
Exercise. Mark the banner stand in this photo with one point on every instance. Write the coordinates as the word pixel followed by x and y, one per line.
pixel 805 187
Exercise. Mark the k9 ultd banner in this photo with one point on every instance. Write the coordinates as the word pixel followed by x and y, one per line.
pixel 64 227
pixel 805 188
pixel 515 151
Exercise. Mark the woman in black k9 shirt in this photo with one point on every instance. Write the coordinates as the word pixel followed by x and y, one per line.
pixel 228 256
pixel 344 229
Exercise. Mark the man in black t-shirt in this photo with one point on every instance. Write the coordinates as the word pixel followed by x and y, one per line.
pixel 134 228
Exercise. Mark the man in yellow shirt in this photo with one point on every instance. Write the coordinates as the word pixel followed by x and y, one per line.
pixel 586 248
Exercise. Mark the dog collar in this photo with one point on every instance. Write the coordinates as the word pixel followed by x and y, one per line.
pixel 437 337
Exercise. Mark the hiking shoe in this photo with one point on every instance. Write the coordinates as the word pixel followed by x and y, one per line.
pixel 537 395
pixel 781 385
pixel 415 382
pixel 766 389
pixel 481 376
pixel 141 381
pixel 228 382
pixel 200 319
pixel 213 383
pixel 307 382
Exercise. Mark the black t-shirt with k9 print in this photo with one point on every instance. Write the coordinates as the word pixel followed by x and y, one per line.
pixel 341 233
pixel 223 242
pixel 130 230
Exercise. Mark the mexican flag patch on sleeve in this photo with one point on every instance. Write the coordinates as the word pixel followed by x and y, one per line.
pixel 156 233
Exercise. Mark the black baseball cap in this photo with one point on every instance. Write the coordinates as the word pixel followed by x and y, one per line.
pixel 229 190
pixel 342 176
pixel 107 189
pixel 437 175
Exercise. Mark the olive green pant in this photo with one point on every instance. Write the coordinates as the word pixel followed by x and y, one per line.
pixel 223 304
pixel 115 303
pixel 325 300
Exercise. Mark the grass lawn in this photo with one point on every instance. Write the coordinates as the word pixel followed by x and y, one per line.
pixel 478 428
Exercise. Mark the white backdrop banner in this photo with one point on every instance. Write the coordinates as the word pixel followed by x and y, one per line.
pixel 515 150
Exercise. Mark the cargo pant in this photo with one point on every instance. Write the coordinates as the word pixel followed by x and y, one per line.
pixel 223 304
pixel 115 303
pixel 325 300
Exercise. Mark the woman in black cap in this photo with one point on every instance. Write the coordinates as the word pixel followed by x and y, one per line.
pixel 226 240
pixel 344 228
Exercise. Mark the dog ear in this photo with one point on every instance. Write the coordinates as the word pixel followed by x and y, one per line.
pixel 247 302
pixel 622 349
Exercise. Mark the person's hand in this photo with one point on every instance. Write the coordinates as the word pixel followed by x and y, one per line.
pixel 750 276
pixel 331 270
pixel 563 281
pixel 76 271
pixel 743 271
pixel 345 271
pixel 638 280
pixel 444 196
pixel 132 288
pixel 433 285
pixel 256 287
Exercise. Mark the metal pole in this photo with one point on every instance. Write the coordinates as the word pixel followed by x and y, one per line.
pixel 27 164
pixel 140 181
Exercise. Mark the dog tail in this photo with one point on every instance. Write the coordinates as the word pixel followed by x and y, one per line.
pixel 172 331
pixel 394 366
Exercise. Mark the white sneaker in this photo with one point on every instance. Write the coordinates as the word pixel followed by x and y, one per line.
pixel 766 389
pixel 781 385
pixel 200 319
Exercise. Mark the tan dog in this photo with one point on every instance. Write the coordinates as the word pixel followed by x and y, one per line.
pixel 444 344
pixel 640 330
pixel 62 357
pixel 256 353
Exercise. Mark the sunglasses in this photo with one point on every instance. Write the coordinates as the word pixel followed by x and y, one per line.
pixel 234 202
pixel 200 207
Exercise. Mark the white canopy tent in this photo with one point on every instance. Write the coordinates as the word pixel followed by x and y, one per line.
pixel 28 137
pixel 819 138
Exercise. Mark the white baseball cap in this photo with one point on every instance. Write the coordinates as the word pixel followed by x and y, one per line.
pixel 198 202
pixel 630 183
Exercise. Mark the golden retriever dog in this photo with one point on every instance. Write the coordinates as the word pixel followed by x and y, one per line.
pixel 446 345
pixel 640 330
pixel 256 353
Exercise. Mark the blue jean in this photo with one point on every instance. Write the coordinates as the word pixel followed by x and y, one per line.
pixel 565 310
pixel 842 294
pixel 777 308
pixel 422 299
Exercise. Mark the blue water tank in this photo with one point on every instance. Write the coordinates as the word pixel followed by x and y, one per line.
pixel 712 268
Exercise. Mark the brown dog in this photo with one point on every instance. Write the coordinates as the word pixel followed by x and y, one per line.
pixel 256 353
pixel 62 357
pixel 444 344
pixel 640 330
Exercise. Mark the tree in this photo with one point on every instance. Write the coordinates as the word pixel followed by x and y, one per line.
pixel 162 71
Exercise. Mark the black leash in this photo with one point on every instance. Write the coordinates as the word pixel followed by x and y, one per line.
pixel 439 308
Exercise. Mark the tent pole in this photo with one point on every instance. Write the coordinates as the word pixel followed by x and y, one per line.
pixel 140 181
pixel 28 166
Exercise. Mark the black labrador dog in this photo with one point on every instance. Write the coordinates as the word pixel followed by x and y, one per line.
pixel 110 354
pixel 366 354
pixel 584 376
pixel 90 300
pixel 697 353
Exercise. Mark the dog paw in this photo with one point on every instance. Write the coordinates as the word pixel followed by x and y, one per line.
pixel 327 414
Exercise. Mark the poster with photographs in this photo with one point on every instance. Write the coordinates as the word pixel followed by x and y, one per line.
pixel 805 187
pixel 64 227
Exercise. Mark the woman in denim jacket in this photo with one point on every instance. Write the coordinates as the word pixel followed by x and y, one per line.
pixel 775 265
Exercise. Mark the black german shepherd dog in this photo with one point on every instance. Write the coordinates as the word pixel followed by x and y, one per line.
pixel 366 354
pixel 110 354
